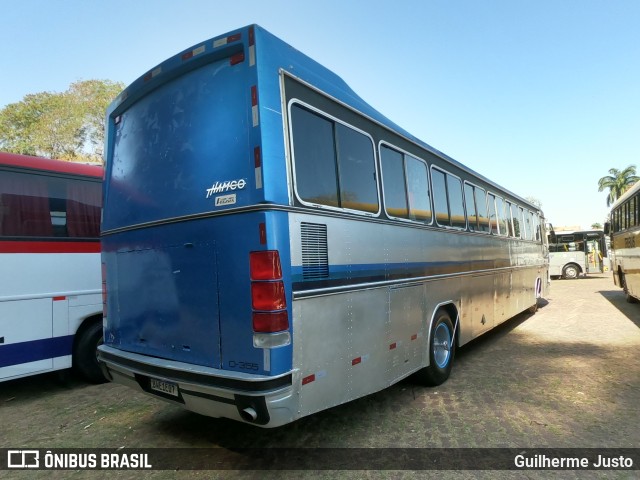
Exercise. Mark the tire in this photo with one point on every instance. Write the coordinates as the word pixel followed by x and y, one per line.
pixel 570 272
pixel 85 358
pixel 441 351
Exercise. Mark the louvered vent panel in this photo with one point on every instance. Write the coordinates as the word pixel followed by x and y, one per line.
pixel 315 253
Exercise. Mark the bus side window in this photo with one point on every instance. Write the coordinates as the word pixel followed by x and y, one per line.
pixel 500 214
pixel 418 190
pixel 356 170
pixel 395 193
pixel 447 199
pixel 470 203
pixel 316 179
pixel 440 203
pixel 25 204
pixel 454 190
pixel 493 219
pixel 334 164
pixel 481 204
pixel 515 216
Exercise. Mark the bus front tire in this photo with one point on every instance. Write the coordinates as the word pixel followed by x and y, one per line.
pixel 85 357
pixel 441 351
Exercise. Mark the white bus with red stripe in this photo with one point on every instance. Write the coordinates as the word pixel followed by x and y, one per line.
pixel 50 287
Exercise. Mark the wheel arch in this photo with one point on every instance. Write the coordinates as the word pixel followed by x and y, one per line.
pixel 452 309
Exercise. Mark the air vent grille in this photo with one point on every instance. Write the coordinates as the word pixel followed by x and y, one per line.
pixel 315 252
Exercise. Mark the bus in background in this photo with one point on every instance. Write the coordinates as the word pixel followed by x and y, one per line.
pixel 274 246
pixel 624 230
pixel 50 287
pixel 576 253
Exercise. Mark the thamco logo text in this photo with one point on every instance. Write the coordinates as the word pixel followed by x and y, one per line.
pixel 227 186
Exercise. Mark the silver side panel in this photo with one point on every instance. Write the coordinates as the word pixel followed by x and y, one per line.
pixel 355 340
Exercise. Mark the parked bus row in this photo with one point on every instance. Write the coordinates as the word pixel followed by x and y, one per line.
pixel 273 246
pixel 50 292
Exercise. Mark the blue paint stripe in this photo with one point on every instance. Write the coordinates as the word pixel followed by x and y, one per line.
pixel 24 352
pixel 343 275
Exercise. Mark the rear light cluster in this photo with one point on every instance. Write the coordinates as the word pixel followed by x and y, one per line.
pixel 268 300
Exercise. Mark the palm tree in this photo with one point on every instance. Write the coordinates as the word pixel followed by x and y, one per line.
pixel 618 182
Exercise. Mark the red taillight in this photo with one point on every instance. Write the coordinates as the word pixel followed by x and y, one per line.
pixel 265 265
pixel 268 296
pixel 270 322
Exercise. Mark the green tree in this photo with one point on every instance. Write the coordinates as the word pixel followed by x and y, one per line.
pixel 618 182
pixel 66 126
pixel 596 226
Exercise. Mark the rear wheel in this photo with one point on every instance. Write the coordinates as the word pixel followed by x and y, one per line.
pixel 570 272
pixel 85 354
pixel 441 351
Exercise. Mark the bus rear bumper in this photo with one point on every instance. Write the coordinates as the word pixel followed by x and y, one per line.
pixel 260 400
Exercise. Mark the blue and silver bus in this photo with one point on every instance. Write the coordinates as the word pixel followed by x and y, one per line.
pixel 273 246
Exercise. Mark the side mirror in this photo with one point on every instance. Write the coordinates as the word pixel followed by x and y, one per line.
pixel 607 228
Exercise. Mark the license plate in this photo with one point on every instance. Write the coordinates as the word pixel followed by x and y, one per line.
pixel 164 387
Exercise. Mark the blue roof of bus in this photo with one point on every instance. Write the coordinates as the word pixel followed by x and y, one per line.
pixel 293 61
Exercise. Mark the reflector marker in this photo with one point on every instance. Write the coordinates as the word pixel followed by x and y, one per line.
pixel 414 336
pixel 313 377
pixel 393 346
pixel 193 53
pixel 359 360
pixel 254 106
pixel 153 73
pixel 237 58
pixel 263 233
pixel 267 359
pixel 226 40
pixel 57 299
pixel 257 161
pixel 252 47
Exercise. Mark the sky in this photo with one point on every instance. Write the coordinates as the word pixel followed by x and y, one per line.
pixel 540 96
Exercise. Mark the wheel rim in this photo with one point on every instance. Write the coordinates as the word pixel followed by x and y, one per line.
pixel 442 345
pixel 571 272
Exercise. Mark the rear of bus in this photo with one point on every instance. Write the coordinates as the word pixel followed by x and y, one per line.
pixel 196 289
